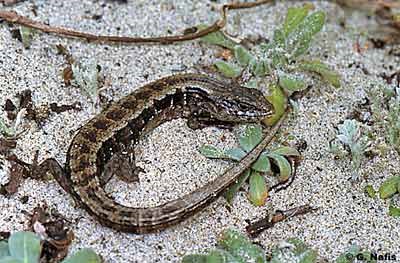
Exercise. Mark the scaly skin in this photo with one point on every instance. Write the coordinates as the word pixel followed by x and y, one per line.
pixel 202 100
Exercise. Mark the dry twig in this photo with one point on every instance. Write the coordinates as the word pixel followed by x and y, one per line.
pixel 13 17
pixel 257 227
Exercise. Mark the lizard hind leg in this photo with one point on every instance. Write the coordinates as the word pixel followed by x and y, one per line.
pixel 123 166
pixel 54 168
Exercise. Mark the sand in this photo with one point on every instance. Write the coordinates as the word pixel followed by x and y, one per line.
pixel 170 156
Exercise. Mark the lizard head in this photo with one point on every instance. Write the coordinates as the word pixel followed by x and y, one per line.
pixel 235 104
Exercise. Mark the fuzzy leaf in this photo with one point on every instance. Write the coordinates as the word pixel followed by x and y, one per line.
pixel 25 246
pixel 394 211
pixel 349 134
pixel 277 49
pixel 285 170
pixel 389 187
pixel 262 164
pixel 211 152
pixel 291 83
pixel 5 130
pixel 259 68
pixel 242 55
pixel 279 40
pixel 26 35
pixel 321 69
pixel 4 249
pixel 86 76
pixel 217 38
pixel 196 258
pixel 279 101
pixel 349 256
pixel 293 250
pixel 241 247
pixel 286 151
pixel 233 189
pixel 251 137
pixel 293 18
pixel 235 154
pixel 299 39
pixel 9 259
pixel 85 255
pixel 258 192
pixel 227 69
pixel 369 189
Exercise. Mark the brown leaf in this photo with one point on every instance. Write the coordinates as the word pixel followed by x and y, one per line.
pixel 17 173
pixel 67 75
pixel 51 225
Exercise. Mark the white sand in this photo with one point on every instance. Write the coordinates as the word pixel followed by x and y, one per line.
pixel 346 216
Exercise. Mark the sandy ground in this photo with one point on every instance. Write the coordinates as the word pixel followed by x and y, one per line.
pixel 170 154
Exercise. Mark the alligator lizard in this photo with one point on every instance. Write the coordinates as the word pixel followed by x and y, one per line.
pixel 200 99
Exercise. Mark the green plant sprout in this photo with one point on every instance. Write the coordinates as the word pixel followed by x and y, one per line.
pixel 280 60
pixel 387 190
pixel 258 191
pixel 354 254
pixel 5 130
pixel 352 142
pixel 235 247
pixel 393 121
pixel 386 112
pixel 86 77
pixel 25 247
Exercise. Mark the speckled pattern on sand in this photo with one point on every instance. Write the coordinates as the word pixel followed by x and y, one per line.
pixel 170 155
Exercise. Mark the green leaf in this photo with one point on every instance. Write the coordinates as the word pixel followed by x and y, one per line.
pixel 211 152
pixel 262 164
pixel 277 50
pixel 10 260
pixel 310 256
pixel 369 189
pixel 4 249
pixel 291 83
pixel 258 192
pixel 259 68
pixel 214 256
pixel 323 70
pixel 85 255
pixel 195 258
pixel 227 69
pixel 233 189
pixel 394 210
pixel 217 38
pixel 26 36
pixel 293 18
pixel 350 256
pixel 278 41
pixel 297 251
pixel 252 84
pixel 389 187
pixel 25 246
pixel 299 39
pixel 86 77
pixel 241 248
pixel 235 154
pixel 242 55
pixel 286 151
pixel 279 101
pixel 251 137
pixel 285 170
pixel 5 130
